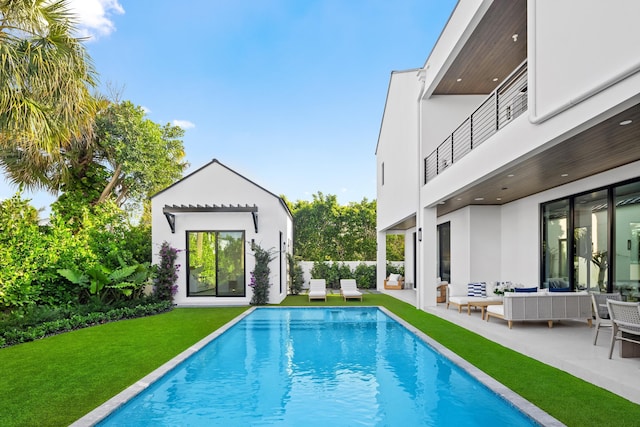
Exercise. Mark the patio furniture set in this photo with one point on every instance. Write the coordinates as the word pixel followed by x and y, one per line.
pixel 554 304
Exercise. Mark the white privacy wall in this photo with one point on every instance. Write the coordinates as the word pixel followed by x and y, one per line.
pixel 216 184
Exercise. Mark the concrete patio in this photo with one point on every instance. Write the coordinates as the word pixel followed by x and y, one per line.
pixel 567 346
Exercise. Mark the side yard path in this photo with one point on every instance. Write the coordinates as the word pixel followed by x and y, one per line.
pixel 58 379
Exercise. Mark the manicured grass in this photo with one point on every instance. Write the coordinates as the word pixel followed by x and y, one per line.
pixel 57 380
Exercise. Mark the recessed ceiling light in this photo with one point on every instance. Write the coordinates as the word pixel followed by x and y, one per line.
pixel 564 175
pixel 626 122
pixel 510 175
pixel 441 203
pixel 495 79
pixel 498 198
pixel 479 199
pixel 459 198
pixel 458 80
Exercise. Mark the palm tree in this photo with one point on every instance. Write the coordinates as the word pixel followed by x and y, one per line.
pixel 45 81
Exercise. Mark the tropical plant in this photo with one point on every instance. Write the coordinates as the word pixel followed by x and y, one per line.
pixel 601 260
pixel 45 80
pixel 108 286
pixel 260 276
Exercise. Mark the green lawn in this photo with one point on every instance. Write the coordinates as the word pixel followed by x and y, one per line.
pixel 56 380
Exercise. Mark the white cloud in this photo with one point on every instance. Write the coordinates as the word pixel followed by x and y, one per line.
pixel 184 124
pixel 94 16
pixel 145 109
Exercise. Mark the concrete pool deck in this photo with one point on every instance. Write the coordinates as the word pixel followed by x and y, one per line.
pixel 567 346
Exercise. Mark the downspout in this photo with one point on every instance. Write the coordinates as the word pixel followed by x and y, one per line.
pixel 533 117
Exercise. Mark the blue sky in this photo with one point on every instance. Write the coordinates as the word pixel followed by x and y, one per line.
pixel 289 93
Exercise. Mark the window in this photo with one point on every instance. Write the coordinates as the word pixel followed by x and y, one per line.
pixel 382 174
pixel 592 241
pixel 444 251
pixel 216 263
pixel 626 273
pixel 555 255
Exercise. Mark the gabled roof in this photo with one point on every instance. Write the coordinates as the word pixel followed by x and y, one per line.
pixel 386 101
pixel 216 161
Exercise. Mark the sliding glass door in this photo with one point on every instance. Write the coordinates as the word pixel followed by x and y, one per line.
pixel 592 241
pixel 216 263
pixel 590 232
pixel 626 275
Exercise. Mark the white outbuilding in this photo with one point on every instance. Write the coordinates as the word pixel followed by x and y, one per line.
pixel 215 217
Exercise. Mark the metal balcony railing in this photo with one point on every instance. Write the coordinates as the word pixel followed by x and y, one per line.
pixel 506 102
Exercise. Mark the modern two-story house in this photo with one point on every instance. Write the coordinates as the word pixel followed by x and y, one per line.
pixel 513 154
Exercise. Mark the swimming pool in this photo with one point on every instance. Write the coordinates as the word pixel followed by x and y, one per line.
pixel 317 367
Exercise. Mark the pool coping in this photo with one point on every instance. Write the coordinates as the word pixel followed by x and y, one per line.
pixel 532 411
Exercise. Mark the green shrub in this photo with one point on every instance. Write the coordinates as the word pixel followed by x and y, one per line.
pixel 366 275
pixel 260 276
pixel 393 269
pixel 296 275
pixel 166 273
pixel 27 332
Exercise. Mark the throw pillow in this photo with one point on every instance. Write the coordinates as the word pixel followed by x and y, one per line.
pixel 521 290
pixel 477 289
pixel 559 289
pixel 393 277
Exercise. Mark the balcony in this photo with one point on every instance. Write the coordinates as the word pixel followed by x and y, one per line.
pixel 506 102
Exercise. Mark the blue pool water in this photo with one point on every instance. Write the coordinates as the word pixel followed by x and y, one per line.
pixel 317 367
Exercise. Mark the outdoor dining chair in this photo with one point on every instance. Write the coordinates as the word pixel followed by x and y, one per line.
pixel 625 319
pixel 601 312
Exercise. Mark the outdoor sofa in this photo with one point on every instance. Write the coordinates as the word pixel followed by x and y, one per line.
pixel 542 305
pixel 460 295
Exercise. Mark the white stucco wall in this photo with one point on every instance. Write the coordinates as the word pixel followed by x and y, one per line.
pixel 397 197
pixel 575 46
pixel 215 184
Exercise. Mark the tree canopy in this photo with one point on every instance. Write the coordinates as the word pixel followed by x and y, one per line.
pixel 325 230
pixel 45 77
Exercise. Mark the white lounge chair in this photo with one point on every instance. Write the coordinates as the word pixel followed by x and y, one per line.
pixel 625 317
pixel 600 311
pixel 349 289
pixel 318 289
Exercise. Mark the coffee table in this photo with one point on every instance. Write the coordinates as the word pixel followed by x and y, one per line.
pixel 482 305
